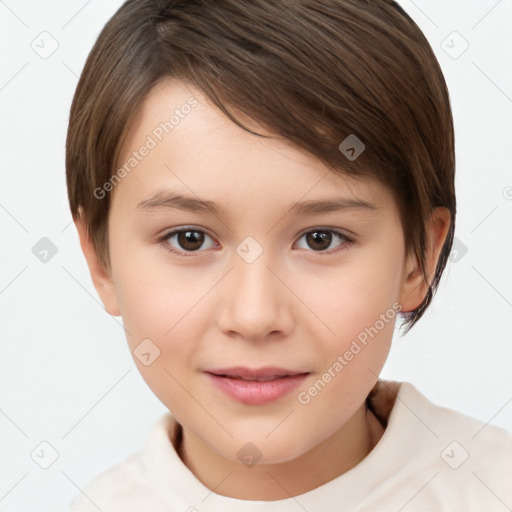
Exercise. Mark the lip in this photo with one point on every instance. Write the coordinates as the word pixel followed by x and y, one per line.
pixel 275 383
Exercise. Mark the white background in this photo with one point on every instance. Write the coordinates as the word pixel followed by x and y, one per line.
pixel 66 375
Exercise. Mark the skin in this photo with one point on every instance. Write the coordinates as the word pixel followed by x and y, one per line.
pixel 297 306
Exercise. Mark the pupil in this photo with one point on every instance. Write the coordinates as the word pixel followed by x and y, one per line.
pixel 322 239
pixel 190 240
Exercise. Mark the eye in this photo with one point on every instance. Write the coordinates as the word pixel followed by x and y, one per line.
pixel 323 240
pixel 186 240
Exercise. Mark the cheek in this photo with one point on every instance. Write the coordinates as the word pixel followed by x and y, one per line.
pixel 161 320
pixel 162 317
pixel 353 297
pixel 359 304
pixel 362 315
pixel 351 362
pixel 155 299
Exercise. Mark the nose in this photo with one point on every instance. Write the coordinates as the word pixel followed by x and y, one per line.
pixel 255 302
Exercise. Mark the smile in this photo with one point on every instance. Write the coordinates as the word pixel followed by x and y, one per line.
pixel 255 386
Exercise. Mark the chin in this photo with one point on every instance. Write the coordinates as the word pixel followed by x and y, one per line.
pixel 267 451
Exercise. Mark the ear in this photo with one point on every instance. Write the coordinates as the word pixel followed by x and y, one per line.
pixel 414 287
pixel 100 276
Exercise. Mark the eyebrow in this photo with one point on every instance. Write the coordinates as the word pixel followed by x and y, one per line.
pixel 168 200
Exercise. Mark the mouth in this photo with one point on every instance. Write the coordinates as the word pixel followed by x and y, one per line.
pixel 258 379
pixel 256 386
pixel 261 374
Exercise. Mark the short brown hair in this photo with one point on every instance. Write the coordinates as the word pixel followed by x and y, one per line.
pixel 311 71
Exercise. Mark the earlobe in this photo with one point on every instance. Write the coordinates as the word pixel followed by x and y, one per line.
pixel 101 278
pixel 414 286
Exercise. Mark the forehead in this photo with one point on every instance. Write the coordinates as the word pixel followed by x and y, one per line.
pixel 195 148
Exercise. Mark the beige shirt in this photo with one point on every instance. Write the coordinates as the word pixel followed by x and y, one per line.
pixel 429 459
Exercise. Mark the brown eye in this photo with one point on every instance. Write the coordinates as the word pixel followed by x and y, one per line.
pixel 322 240
pixel 319 240
pixel 190 240
pixel 187 240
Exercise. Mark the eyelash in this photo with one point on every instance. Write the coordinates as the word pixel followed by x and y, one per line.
pixel 346 241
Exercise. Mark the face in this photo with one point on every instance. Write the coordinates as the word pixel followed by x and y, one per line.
pixel 242 256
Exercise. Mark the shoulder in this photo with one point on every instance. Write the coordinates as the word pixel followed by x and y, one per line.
pixel 458 462
pixel 445 423
pixel 109 487
pixel 129 485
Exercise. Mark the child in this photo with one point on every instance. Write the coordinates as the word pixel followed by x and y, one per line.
pixel 261 189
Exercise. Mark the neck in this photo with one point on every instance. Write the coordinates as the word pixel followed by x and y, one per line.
pixel 267 482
